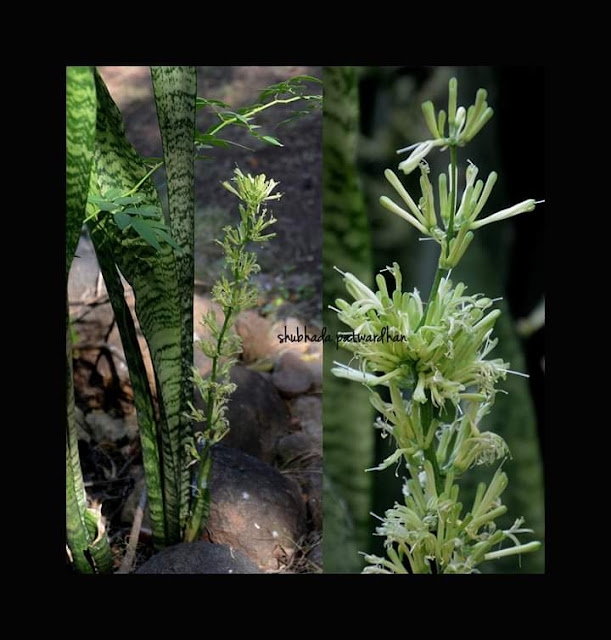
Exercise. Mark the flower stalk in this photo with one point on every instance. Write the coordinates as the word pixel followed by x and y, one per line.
pixel 232 295
pixel 441 382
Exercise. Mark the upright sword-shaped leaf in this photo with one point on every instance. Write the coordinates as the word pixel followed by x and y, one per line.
pixel 143 399
pixel 86 538
pixel 175 96
pixel 152 273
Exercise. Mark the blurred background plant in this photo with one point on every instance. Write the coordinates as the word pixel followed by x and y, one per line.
pixel 502 261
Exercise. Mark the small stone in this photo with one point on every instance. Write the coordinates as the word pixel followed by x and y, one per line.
pixel 294 446
pixel 292 332
pixel 292 376
pixel 104 428
pixel 308 411
pixel 253 508
pixel 315 509
pixel 199 557
pixel 314 360
pixel 256 334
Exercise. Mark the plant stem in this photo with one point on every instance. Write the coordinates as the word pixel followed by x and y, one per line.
pixel 432 296
pixel 426 416
pixel 200 508
pixel 252 113
pixel 148 175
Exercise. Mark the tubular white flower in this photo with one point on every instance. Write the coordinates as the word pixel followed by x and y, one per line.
pixel 344 371
pixel 400 189
pixel 360 291
pixel 387 203
pixel 421 151
pixel 522 207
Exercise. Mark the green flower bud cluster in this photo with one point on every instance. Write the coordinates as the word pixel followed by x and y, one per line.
pixel 434 363
pixel 463 126
pixel 453 225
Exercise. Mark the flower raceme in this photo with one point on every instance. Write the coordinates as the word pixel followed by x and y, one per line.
pixel 446 356
pixel 440 382
pixel 425 219
pixel 463 126
pixel 232 292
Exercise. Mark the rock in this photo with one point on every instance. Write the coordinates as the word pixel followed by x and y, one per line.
pixel 256 412
pixel 314 359
pixel 201 306
pixel 293 446
pixel 198 557
pixel 292 376
pixel 315 509
pixel 315 556
pixel 291 328
pixel 256 333
pixel 104 428
pixel 307 410
pixel 254 508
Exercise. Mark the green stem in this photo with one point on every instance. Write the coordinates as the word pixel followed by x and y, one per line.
pixel 432 296
pixel 148 175
pixel 200 509
pixel 426 415
pixel 252 113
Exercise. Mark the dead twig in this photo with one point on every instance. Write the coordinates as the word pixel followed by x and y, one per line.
pixel 134 536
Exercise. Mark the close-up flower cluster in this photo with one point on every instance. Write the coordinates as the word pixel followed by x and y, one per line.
pixel 434 362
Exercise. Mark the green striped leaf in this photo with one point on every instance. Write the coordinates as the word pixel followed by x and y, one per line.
pixel 349 438
pixel 153 276
pixel 76 505
pixel 80 134
pixel 175 96
pixel 85 534
pixel 143 399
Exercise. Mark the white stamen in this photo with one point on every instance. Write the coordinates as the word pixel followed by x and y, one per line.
pixel 411 146
pixel 517 373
